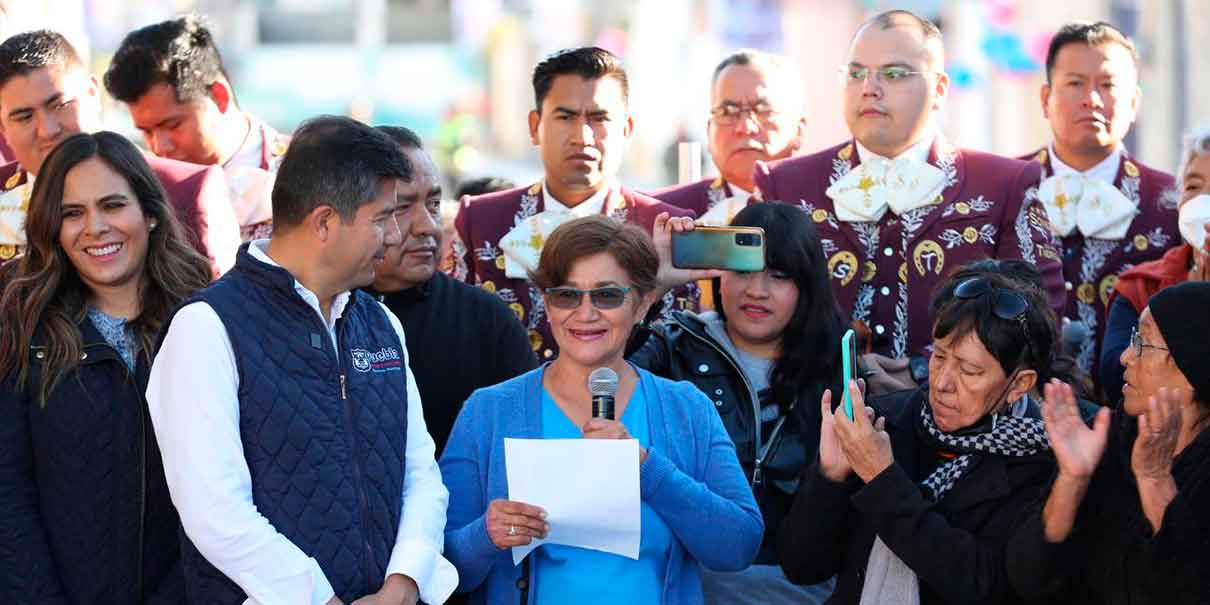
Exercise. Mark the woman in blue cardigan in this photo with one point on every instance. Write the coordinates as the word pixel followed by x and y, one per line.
pixel 697 509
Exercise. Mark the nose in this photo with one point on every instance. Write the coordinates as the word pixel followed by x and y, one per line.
pixel 391 235
pixel 758 285
pixel 747 123
pixel 426 224
pixel 161 144
pixel 587 311
pixel 1127 357
pixel 96 224
pixel 942 379
pixel 870 85
pixel 49 127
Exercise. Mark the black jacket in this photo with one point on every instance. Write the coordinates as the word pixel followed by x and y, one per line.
pixel 85 515
pixel 680 349
pixel 956 546
pixel 1112 556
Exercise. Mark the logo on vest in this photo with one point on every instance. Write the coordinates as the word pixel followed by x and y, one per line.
pixel 385 359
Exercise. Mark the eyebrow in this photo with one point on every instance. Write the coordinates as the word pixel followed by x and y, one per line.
pixel 885 65
pixel 101 200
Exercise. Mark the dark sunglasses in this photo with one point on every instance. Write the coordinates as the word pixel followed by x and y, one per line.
pixel 1006 304
pixel 608 297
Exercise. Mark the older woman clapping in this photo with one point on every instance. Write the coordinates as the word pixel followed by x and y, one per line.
pixel 1128 517
pixel 913 500
pixel 597 277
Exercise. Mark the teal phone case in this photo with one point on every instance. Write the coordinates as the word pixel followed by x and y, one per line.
pixel 848 354
pixel 729 248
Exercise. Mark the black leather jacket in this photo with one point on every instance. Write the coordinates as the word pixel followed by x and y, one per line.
pixel 680 348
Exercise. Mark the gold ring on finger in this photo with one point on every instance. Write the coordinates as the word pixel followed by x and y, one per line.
pixel 512 530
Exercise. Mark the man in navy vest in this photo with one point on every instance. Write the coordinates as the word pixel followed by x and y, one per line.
pixel 289 421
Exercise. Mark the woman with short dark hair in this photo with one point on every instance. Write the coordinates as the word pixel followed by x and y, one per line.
pixel 598 279
pixel 84 507
pixel 913 499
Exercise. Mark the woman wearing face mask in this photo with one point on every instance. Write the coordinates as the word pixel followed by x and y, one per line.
pixel 764 358
pixel 913 500
pixel 1128 517
pixel 85 515
pixel 1189 262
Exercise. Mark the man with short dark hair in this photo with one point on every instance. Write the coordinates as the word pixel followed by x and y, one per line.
pixel 290 424
pixel 1103 204
pixel 171 77
pixel 899 207
pixel 47 95
pixel 756 114
pixel 580 123
pixel 452 328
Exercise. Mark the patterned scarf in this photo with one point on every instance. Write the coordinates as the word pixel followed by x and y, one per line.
pixel 1010 436
pixel 888 580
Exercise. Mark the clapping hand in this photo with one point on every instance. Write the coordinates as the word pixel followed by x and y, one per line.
pixel 1077 448
pixel 1159 430
pixel 1201 260
pixel 670 277
pixel 864 440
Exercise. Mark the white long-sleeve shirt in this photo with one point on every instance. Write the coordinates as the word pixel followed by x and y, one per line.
pixel 192 395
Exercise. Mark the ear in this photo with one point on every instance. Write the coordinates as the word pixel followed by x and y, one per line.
pixel 1136 102
pixel 800 135
pixel 629 126
pixel 535 119
pixel 220 93
pixel 94 89
pixel 644 305
pixel 1044 97
pixel 1024 383
pixel 321 221
pixel 942 89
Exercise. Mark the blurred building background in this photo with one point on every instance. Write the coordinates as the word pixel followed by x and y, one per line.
pixel 457 71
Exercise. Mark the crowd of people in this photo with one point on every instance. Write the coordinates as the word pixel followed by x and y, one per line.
pixel 249 367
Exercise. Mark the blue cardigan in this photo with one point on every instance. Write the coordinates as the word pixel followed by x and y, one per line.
pixel 691 478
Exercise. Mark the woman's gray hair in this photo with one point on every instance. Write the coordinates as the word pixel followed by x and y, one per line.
pixel 1196 142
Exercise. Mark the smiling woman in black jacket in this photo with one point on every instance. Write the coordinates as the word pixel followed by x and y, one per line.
pixel 918 505
pixel 85 515
pixel 764 358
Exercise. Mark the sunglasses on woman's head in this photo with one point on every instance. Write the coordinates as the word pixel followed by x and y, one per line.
pixel 1006 304
pixel 605 298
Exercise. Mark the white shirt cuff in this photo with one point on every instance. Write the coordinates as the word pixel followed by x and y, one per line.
pixel 433 574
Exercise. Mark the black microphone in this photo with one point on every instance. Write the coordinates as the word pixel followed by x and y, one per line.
pixel 602 384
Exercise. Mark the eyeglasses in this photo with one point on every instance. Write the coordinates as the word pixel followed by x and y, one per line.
pixel 608 297
pixel 728 113
pixel 1136 343
pixel 1006 304
pixel 890 75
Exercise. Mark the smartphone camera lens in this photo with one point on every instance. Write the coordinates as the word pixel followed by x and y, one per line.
pixel 747 239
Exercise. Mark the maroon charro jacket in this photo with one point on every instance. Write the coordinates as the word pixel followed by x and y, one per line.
pixel 197 193
pixel 1091 266
pixel 699 197
pixel 483 220
pixel 884 273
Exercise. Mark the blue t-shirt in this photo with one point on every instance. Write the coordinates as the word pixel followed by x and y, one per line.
pixel 567 574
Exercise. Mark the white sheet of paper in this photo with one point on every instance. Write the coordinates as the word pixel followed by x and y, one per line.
pixel 589 489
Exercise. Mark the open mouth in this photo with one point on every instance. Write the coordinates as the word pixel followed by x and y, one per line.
pixel 104 252
pixel 587 335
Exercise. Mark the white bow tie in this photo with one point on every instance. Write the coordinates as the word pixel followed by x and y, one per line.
pixel 522 245
pixel 903 184
pixel 1093 206
pixel 721 213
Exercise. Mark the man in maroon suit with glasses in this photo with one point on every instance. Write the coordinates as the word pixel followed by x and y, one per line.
pixel 899 207
pixel 47 95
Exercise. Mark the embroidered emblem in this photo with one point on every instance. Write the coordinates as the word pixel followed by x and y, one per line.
pixel 489 285
pixel 970 235
pixel 843 266
pixel 903 272
pixel 1087 293
pixel 1130 169
pixel 868 270
pixel 828 246
pixel 12 180
pixel 385 359
pixel 279 147
pixel 518 310
pixel 535 340
pixel 361 360
pixel 1040 157
pixel 1140 243
pixel 840 164
pixel 1107 285
pixel 7 251
pixel 963 208
pixel 819 215
pixel 929 257
pixel 500 262
pixel 846 152
pixel 715 193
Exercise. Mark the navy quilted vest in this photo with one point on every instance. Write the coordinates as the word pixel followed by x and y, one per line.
pixel 324 437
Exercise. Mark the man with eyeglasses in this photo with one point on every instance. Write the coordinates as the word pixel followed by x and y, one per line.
pixel 756 114
pixel 899 207
pixel 1103 204
pixel 580 124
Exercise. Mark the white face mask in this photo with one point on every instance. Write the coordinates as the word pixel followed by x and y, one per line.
pixel 1194 216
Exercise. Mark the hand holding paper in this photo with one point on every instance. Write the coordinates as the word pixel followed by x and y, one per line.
pixel 589 489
